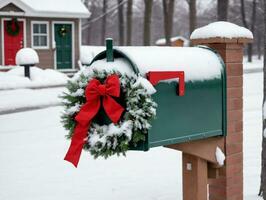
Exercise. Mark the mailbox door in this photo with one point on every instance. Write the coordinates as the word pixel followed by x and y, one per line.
pixel 198 114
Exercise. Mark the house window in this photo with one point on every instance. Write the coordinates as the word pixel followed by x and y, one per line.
pixel 40 35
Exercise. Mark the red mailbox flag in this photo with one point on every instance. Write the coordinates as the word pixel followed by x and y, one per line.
pixel 156 76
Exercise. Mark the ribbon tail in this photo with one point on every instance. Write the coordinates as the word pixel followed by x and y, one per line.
pixel 83 119
pixel 113 109
pixel 77 142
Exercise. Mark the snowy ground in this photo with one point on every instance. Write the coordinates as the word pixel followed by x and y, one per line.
pixel 254 66
pixel 32 166
pixel 39 78
pixel 25 99
pixel 32 147
pixel 19 93
pixel 252 133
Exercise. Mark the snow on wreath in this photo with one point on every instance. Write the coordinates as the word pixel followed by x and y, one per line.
pixel 106 113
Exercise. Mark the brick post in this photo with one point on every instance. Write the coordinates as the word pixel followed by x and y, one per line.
pixel 229 185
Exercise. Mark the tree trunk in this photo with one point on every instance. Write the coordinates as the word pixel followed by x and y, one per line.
pixel 250 50
pixel 263 154
pixel 254 14
pixel 104 22
pixel 222 10
pixel 120 22
pixel 129 21
pixel 88 29
pixel 259 44
pixel 252 27
pixel 253 20
pixel 147 23
pixel 168 11
pixel 166 25
pixel 192 15
pixel 243 14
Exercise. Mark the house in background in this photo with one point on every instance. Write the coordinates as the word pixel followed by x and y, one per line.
pixel 51 27
pixel 177 41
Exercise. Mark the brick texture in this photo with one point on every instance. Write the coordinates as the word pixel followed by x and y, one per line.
pixel 218 40
pixel 229 186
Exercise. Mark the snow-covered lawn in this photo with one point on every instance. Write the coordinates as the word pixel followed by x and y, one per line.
pixel 24 99
pixel 17 92
pixel 253 84
pixel 14 78
pixel 32 166
pixel 32 147
pixel 254 66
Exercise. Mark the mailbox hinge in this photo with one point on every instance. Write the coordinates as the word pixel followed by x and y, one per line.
pixel 156 76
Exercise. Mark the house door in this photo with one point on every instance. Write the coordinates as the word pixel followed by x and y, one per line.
pixel 63 40
pixel 13 41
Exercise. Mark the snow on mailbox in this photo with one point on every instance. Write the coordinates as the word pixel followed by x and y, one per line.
pixel 135 98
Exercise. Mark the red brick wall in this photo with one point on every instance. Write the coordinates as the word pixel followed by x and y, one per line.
pixel 230 185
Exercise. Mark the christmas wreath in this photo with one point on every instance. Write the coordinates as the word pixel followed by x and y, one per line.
pixel 106 112
pixel 12 27
pixel 62 31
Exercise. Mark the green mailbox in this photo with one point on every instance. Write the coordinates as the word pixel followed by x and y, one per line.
pixel 189 109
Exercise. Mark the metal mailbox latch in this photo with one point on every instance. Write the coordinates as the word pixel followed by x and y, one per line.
pixel 155 76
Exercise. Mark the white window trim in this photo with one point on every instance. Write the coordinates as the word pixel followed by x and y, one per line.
pixel 48 35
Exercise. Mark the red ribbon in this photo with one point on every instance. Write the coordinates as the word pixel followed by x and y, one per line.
pixel 94 91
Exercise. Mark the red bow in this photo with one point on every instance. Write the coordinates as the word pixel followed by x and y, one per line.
pixel 94 91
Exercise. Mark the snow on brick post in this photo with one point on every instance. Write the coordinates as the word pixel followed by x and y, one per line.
pixel 228 40
pixel 27 58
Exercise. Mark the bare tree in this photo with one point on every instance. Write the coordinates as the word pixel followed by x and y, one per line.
pixel 168 13
pixel 121 22
pixel 92 30
pixel 129 21
pixel 192 4
pixel 252 23
pixel 250 46
pixel 259 29
pixel 147 22
pixel 222 10
pixel 88 4
pixel 259 44
pixel 243 13
pixel 263 153
pixel 104 21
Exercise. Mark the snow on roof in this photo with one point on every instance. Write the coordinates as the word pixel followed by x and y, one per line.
pixel 51 8
pixel 162 41
pixel 197 63
pixel 221 29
